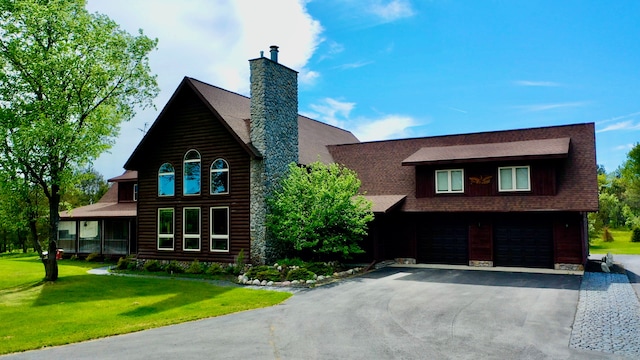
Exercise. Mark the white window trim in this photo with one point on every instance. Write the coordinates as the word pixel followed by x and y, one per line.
pixel 513 178
pixel 135 192
pixel 212 170
pixel 186 236
pixel 449 191
pixel 167 236
pixel 212 237
pixel 184 166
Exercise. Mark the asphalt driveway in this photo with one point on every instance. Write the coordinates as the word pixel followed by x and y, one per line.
pixel 392 313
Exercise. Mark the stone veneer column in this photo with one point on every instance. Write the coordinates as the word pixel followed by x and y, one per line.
pixel 274 132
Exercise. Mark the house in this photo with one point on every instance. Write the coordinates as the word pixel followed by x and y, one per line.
pixel 502 198
pixel 107 227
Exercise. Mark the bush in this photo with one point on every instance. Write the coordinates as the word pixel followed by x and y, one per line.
pixel 635 235
pixel 269 275
pixel 253 272
pixel 93 257
pixel 195 267
pixel 320 268
pixel 174 267
pixel 123 264
pixel 215 269
pixel 291 262
pixel 152 266
pixel 300 274
pixel 606 235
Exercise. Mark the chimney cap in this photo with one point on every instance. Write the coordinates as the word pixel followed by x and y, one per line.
pixel 274 52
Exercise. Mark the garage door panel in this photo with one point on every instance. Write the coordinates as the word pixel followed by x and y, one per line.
pixel 524 244
pixel 443 243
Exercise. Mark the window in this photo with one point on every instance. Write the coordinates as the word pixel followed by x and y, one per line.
pixel 220 229
pixel 191 173
pixel 166 180
pixel 135 192
pixel 67 236
pixel 165 229
pixel 219 177
pixel 449 181
pixel 89 237
pixel 514 178
pixel 191 229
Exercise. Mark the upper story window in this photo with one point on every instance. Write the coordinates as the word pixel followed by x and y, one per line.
pixel 166 180
pixel 191 173
pixel 449 181
pixel 219 177
pixel 514 178
pixel 135 192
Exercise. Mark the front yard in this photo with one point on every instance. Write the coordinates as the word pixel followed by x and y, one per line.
pixel 80 306
pixel 620 245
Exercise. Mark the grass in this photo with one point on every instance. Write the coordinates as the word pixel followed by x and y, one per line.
pixel 80 306
pixel 620 245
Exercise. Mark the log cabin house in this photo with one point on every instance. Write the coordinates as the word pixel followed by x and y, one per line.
pixel 206 165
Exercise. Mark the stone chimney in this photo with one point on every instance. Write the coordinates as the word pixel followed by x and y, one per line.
pixel 274 133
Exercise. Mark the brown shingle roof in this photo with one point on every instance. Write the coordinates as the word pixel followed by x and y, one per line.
pixel 384 203
pixel 128 175
pixel 379 166
pixel 106 207
pixel 528 149
pixel 234 110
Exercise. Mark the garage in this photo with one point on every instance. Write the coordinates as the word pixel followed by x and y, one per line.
pixel 446 243
pixel 526 244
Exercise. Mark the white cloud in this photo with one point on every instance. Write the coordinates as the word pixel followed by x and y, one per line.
pixel 537 83
pixel 338 113
pixel 623 125
pixel 354 65
pixel 387 127
pixel 544 107
pixel 392 10
pixel 211 41
pixel 616 118
pixel 625 147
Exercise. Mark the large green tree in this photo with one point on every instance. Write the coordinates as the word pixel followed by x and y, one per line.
pixel 68 78
pixel 319 212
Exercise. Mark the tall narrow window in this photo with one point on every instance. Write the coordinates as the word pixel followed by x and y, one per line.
pixel 191 173
pixel 135 192
pixel 166 180
pixel 165 229
pixel 191 229
pixel 219 229
pixel 219 177
pixel 514 178
pixel 450 181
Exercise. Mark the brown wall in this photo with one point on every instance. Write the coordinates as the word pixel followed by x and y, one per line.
pixel 543 178
pixel 188 124
pixel 125 191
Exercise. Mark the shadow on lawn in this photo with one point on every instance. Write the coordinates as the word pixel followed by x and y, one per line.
pixel 91 288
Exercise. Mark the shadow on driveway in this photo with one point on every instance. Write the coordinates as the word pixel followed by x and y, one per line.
pixel 476 277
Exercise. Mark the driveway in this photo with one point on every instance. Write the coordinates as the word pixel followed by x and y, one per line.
pixel 392 313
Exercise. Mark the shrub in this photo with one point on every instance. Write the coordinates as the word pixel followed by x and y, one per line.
pixel 253 272
pixel 174 267
pixel 123 264
pixel 635 235
pixel 606 235
pixel 93 257
pixel 269 275
pixel 215 269
pixel 291 262
pixel 152 266
pixel 319 268
pixel 300 274
pixel 195 267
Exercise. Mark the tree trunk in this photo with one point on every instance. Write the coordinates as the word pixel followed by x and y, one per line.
pixel 51 264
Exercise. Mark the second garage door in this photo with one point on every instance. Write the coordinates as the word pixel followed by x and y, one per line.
pixel 523 244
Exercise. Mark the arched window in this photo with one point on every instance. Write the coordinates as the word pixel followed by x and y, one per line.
pixel 191 173
pixel 166 180
pixel 219 177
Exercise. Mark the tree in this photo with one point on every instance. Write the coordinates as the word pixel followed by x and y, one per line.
pixel 89 186
pixel 68 79
pixel 318 211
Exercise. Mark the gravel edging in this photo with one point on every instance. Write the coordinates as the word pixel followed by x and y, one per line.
pixel 608 315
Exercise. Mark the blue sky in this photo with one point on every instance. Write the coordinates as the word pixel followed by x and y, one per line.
pixel 387 69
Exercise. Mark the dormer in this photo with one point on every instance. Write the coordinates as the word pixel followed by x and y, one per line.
pixel 127 186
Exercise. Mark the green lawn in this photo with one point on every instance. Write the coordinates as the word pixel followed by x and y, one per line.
pixel 621 244
pixel 80 306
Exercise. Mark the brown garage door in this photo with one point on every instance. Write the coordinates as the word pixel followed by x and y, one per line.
pixel 523 244
pixel 443 243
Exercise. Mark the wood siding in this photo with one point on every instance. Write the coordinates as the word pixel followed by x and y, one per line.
pixel 189 124
pixel 542 176
pixel 125 191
